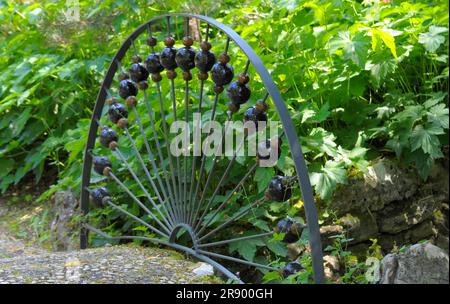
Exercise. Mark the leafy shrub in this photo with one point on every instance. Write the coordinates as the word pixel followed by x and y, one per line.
pixel 361 79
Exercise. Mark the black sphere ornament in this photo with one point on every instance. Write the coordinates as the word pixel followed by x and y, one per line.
pixel 252 114
pixel 98 195
pixel 153 64
pixel 267 148
pixel 167 58
pixel 238 93
pixel 278 189
pixel 127 88
pixel 292 230
pixel 138 72
pixel 290 269
pixel 108 135
pixel 204 61
pixel 222 74
pixel 117 111
pixel 101 163
pixel 185 58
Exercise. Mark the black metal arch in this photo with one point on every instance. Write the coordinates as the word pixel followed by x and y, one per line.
pixel 288 127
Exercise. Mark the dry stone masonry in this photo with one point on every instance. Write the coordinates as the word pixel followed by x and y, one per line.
pixel 393 205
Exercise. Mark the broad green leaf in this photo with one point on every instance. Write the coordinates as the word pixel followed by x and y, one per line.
pixel 247 248
pixel 327 179
pixel 263 175
pixel 277 247
pixel 433 39
pixel 272 276
pixel 424 163
pixel 303 17
pixel 425 139
pixel 354 47
pixel 259 223
pixel 435 98
pixel 379 35
pixel 380 67
pixel 320 141
pixel 439 115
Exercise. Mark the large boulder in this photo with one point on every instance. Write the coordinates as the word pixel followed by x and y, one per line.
pixel 420 264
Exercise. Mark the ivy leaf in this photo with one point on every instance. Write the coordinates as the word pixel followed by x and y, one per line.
pixel 432 39
pixel 246 249
pixel 354 48
pixel 303 17
pixel 426 139
pixel 327 179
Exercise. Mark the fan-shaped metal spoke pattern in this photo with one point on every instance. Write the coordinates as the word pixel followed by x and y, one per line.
pixel 178 194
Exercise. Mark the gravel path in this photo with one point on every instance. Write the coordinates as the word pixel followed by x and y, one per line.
pixel 110 265
pixel 124 264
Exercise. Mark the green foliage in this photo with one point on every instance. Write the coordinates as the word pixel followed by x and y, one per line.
pixel 361 79
pixel 351 74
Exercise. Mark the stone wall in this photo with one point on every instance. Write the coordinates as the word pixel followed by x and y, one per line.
pixel 393 205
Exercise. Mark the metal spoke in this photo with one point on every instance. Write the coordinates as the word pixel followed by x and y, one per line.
pixel 244 238
pixel 225 202
pixel 174 105
pixel 210 174
pixel 186 117
pixel 149 150
pixel 194 159
pixel 228 197
pixel 213 113
pixel 169 155
pixel 202 166
pixel 225 257
pixel 174 108
pixel 233 218
pixel 188 250
pixel 222 179
pixel 169 219
pixel 230 164
pixel 138 181
pixel 158 146
pixel 136 199
pixel 155 169
pixel 173 195
pixel 109 202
